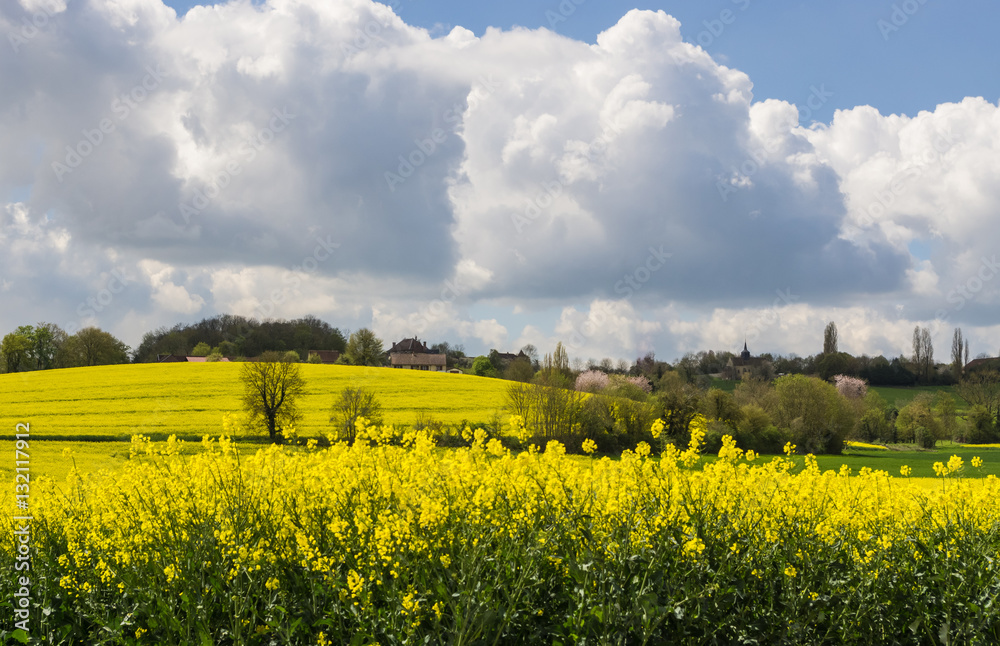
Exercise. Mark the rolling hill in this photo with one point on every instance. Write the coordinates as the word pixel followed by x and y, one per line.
pixel 115 402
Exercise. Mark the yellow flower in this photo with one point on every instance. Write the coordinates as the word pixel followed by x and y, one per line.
pixel 905 471
pixel 790 571
pixel 977 462
pixel 589 446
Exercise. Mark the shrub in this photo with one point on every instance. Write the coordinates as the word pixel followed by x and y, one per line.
pixel 354 403
pixel 980 428
pixel 851 387
pixel 818 417
pixel 592 381
pixel 917 423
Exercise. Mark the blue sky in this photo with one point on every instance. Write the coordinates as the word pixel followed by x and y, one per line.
pixel 701 174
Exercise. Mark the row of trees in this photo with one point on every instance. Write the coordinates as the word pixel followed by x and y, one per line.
pixel 46 345
pixel 238 336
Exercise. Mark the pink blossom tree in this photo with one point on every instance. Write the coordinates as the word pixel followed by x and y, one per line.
pixel 851 387
pixel 592 381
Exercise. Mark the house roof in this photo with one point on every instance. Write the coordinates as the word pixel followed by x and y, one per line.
pixel 179 358
pixel 752 361
pixel 326 356
pixel 409 345
pixel 510 356
pixel 417 359
pixel 983 364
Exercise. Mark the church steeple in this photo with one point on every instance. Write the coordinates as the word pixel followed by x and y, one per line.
pixel 746 353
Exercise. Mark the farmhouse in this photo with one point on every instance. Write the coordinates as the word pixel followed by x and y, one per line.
pixel 411 354
pixel 325 356
pixel 986 363
pixel 179 358
pixel 741 367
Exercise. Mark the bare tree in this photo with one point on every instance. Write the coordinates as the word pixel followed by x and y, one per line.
pixel 923 352
pixel 925 339
pixel 830 338
pixel 957 345
pixel 982 388
pixel 271 386
pixel 352 404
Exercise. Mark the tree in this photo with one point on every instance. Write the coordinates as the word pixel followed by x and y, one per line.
pixel 830 338
pixel 17 351
pixel 531 352
pixel 982 388
pixel 271 386
pixel 957 345
pixel 483 367
pixel 201 350
pixel 354 403
pixel 923 353
pixel 519 370
pixel 46 341
pixel 818 417
pixel 91 347
pixel 364 349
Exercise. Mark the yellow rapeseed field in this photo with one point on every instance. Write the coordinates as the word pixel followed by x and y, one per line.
pixel 190 399
pixel 400 542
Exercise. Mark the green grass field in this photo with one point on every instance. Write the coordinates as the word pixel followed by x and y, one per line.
pixel 116 402
pixel 900 396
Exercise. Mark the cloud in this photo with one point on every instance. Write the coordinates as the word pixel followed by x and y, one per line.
pixel 302 156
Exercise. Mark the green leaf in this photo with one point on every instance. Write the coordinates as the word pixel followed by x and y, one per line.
pixel 20 636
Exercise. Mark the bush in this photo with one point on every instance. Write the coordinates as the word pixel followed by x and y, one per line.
pixel 592 381
pixel 818 417
pixel 349 406
pixel 482 367
pixel 980 428
pixel 201 350
pixel 314 358
pixel 917 423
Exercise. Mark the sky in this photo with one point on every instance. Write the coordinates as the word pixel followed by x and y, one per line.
pixel 665 177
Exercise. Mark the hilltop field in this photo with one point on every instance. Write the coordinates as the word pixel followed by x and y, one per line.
pixel 190 400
